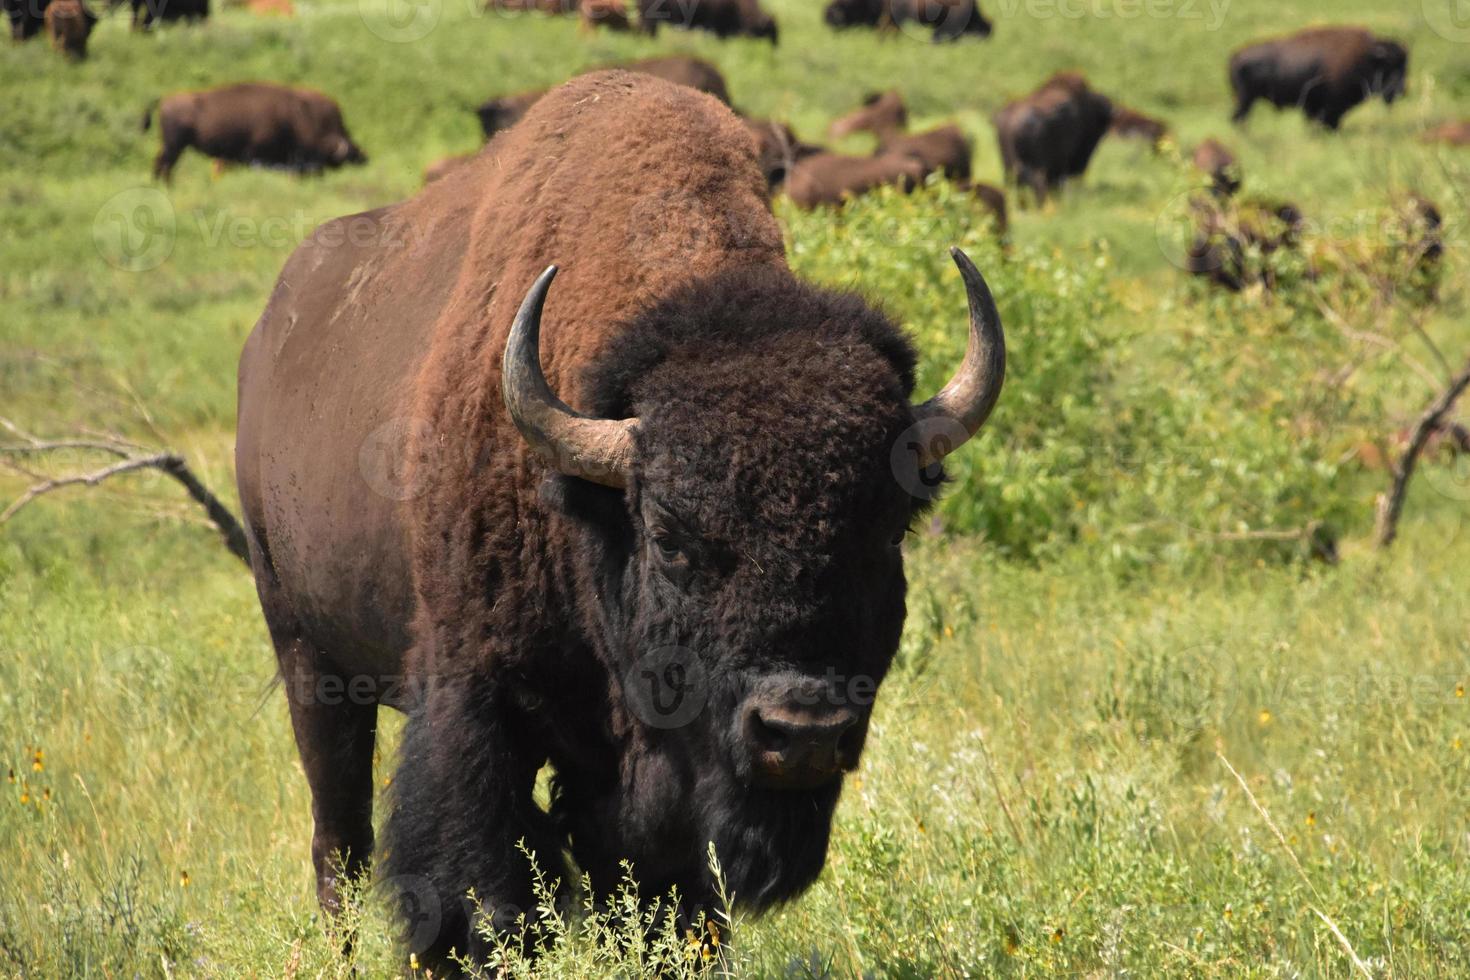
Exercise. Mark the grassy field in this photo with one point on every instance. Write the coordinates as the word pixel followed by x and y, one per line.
pixel 1135 729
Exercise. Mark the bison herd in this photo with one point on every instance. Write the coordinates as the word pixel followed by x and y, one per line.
pixel 681 474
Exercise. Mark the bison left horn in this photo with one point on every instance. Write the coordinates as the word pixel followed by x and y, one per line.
pixel 600 450
pixel 972 393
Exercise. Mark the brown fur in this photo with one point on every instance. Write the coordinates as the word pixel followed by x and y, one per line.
pixel 723 18
pixel 1132 123
pixel 255 123
pixel 69 22
pixel 1323 71
pixel 1214 158
pixel 505 111
pixel 446 165
pixel 611 14
pixel 1050 135
pixel 831 178
pixel 777 148
pixel 1450 133
pixel 944 149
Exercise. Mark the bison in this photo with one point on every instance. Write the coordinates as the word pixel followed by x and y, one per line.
pixel 1132 123
pixel 832 178
pixel 722 18
pixel 612 14
pixel 26 17
pixel 254 122
pixel 777 149
pixel 1324 72
pixel 949 20
pixel 145 12
pixel 1215 160
pixel 446 165
pixel 1050 135
pixel 945 149
pixel 506 110
pixel 1450 133
pixel 69 23
pixel 645 528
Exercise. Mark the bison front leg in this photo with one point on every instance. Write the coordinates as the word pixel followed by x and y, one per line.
pixel 462 810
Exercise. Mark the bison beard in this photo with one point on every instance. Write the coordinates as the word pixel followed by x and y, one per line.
pixel 729 497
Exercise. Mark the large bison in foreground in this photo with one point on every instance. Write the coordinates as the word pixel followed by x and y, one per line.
pixel 256 123
pixel 645 527
pixel 1323 71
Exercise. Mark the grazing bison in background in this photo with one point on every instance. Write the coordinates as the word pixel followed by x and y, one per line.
pixel 1214 159
pixel 644 527
pixel 612 14
pixel 540 6
pixel 1450 133
pixel 145 12
pixel 69 23
pixel 1130 123
pixel 1049 136
pixel 1324 71
pixel 506 110
pixel 885 115
pixel 949 20
pixel 254 122
pixel 26 17
pixel 722 18
pixel 831 178
pixel 777 149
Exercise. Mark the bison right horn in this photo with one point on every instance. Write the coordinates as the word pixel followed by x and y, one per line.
pixel 600 450
pixel 973 391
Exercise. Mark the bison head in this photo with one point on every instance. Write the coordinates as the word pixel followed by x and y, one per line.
pixel 741 513
pixel 1390 65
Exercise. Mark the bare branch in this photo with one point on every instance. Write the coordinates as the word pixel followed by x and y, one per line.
pixel 131 459
pixel 1391 507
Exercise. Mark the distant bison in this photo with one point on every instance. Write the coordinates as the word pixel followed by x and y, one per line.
pixel 1324 71
pixel 645 529
pixel 145 12
pixel 948 19
pixel 1450 133
pixel 1049 136
pixel 69 22
pixel 26 17
pixel 777 149
pixel 504 111
pixel 254 122
pixel 831 178
pixel 722 18
pixel 541 6
pixel 1132 123
pixel 1215 160
pixel 945 149
pixel 611 14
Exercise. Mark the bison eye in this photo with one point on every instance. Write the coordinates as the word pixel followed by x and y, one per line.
pixel 668 547
pixel 672 557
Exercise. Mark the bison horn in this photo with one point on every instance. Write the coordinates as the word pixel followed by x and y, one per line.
pixel 973 391
pixel 600 450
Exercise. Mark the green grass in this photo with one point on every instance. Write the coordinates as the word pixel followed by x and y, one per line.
pixel 1097 622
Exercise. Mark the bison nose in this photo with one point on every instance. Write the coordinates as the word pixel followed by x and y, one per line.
pixel 798 747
